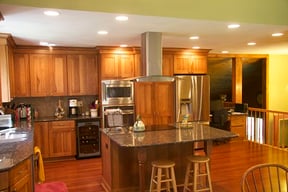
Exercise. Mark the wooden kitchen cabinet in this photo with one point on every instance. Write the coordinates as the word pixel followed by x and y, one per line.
pixel 21 75
pixel 238 125
pixel 55 138
pixel 62 138
pixel 190 64
pixel 20 177
pixel 154 102
pixel 41 137
pixel 106 159
pixel 82 74
pixel 48 75
pixel 117 66
pixel 167 65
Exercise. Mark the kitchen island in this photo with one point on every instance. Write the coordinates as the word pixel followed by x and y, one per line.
pixel 127 155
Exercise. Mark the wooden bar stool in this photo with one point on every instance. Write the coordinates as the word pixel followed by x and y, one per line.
pixel 194 171
pixel 163 172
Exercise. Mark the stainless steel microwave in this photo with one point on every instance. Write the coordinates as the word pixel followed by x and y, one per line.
pixel 117 92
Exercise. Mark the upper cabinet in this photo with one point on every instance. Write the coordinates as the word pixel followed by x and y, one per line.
pixel 82 74
pixel 21 75
pixel 119 64
pixel 190 62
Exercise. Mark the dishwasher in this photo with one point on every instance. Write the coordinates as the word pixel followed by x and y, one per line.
pixel 88 138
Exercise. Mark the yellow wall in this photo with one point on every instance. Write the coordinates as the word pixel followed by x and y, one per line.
pixel 278 82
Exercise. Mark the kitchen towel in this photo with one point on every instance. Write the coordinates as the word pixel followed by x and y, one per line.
pixel 41 173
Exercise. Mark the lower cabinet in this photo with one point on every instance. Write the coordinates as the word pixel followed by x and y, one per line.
pixel 18 178
pixel 238 126
pixel 55 138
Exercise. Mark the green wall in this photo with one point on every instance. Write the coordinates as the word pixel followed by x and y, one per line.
pixel 278 82
pixel 247 11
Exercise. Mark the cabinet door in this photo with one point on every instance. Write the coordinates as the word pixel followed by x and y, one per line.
pixel 126 66
pixel 167 65
pixel 39 74
pixel 109 68
pixel 21 75
pixel 106 158
pixel 82 75
pixel 182 64
pixel 23 185
pixel 62 138
pixel 163 103
pixel 138 71
pixel 144 101
pixel 199 65
pixel 41 137
pixel 58 76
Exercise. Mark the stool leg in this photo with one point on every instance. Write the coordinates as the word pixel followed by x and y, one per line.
pixel 195 172
pixel 167 177
pixel 187 176
pixel 173 180
pixel 208 176
pixel 159 175
pixel 152 178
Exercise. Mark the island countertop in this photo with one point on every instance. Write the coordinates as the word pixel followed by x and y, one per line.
pixel 167 135
pixel 12 153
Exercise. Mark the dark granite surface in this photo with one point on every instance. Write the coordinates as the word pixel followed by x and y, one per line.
pixel 173 134
pixel 12 153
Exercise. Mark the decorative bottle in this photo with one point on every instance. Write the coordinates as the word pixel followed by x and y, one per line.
pixel 138 125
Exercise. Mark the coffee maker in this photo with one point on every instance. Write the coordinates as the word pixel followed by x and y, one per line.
pixel 73 107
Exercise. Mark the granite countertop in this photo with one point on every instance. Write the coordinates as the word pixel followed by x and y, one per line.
pixel 12 153
pixel 65 118
pixel 195 132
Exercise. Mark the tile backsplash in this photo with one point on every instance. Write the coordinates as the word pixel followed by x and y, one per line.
pixel 46 106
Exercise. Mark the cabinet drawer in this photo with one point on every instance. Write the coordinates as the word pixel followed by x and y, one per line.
pixel 238 120
pixel 63 124
pixel 3 180
pixel 20 171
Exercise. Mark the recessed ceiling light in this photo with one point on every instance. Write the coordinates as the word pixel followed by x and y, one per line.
pixel 194 37
pixel 121 18
pixel 102 32
pixel 42 43
pixel 251 43
pixel 233 26
pixel 225 52
pixel 195 47
pixel 277 34
pixel 51 13
pixel 123 45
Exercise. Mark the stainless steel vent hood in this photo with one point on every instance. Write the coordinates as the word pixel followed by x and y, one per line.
pixel 151 50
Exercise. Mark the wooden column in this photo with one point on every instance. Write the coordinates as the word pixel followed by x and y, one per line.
pixel 237 80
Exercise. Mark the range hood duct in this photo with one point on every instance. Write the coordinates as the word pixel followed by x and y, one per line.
pixel 151 50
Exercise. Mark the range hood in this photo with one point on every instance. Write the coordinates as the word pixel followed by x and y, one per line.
pixel 151 52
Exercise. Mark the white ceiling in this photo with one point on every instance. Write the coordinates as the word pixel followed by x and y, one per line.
pixel 29 26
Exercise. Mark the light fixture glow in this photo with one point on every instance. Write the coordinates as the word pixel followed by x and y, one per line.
pixel 277 34
pixel 102 32
pixel 225 52
pixel 43 43
pixel 233 26
pixel 194 37
pixel 121 18
pixel 51 13
pixel 123 45
pixel 195 47
pixel 251 43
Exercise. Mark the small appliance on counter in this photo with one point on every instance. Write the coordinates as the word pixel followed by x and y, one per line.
pixel 23 112
pixel 73 107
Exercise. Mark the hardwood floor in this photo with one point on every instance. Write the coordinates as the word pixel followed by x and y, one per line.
pixel 228 162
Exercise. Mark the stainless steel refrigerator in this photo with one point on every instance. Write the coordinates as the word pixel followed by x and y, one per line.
pixel 193 97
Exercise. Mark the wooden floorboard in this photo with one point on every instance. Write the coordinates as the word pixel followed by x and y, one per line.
pixel 228 163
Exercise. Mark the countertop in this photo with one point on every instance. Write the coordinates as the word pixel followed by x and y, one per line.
pixel 12 153
pixel 173 134
pixel 65 118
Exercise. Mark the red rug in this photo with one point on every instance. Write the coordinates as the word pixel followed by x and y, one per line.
pixel 51 187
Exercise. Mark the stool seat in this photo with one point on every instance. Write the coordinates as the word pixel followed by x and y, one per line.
pixel 163 173
pixel 194 171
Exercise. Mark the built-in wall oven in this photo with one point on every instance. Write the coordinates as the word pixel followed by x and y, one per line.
pixel 88 138
pixel 117 103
